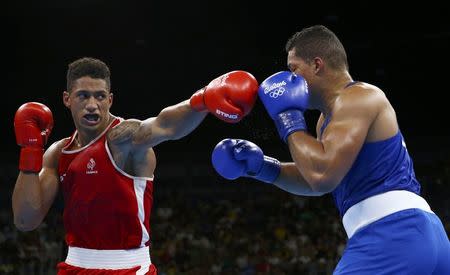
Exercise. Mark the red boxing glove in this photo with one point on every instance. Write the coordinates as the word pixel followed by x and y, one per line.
pixel 229 97
pixel 33 124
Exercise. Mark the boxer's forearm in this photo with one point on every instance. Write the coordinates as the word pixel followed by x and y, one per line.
pixel 292 181
pixel 173 122
pixel 181 118
pixel 27 201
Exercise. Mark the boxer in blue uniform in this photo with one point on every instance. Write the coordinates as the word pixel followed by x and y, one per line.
pixel 359 155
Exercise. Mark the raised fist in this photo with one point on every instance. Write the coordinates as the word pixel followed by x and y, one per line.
pixel 230 97
pixel 33 123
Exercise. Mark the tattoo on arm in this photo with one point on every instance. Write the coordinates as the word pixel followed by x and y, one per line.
pixel 142 136
pixel 123 131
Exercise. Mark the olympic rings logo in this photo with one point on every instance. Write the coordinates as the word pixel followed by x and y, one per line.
pixel 277 92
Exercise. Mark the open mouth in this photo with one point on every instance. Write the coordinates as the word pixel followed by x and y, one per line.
pixel 92 118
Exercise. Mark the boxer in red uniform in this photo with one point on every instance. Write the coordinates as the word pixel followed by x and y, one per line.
pixel 105 168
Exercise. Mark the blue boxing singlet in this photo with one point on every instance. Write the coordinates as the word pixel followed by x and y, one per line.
pixel 391 229
pixel 380 166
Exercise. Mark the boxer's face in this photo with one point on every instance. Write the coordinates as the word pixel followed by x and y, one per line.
pixel 299 66
pixel 89 102
pixel 308 70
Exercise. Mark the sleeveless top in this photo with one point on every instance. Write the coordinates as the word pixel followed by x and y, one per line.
pixel 380 166
pixel 104 207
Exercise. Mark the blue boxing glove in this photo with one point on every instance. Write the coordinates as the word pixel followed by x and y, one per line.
pixel 285 97
pixel 234 158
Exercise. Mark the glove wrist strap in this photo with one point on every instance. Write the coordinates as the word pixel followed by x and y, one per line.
pixel 270 170
pixel 197 101
pixel 31 159
pixel 288 122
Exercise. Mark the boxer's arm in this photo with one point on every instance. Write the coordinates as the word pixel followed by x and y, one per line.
pixel 173 122
pixel 34 193
pixel 292 181
pixel 319 124
pixel 234 158
pixel 230 97
pixel 290 178
pixel 324 163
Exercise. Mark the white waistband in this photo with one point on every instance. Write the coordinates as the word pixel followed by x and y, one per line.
pixel 108 259
pixel 379 206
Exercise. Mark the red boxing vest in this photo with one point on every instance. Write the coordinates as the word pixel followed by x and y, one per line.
pixel 104 207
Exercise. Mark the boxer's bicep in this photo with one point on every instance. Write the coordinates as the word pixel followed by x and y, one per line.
pixel 123 132
pixel 172 123
pixel 132 132
pixel 346 133
pixel 49 179
pixel 151 132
